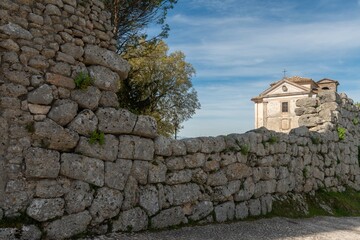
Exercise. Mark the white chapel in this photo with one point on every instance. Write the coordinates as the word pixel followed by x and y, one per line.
pixel 275 107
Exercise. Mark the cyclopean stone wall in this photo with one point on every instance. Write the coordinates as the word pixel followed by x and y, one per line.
pixel 51 175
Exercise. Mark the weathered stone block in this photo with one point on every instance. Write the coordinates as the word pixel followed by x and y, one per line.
pixel 117 173
pixel 133 220
pixel 115 121
pixel 169 217
pixel 99 56
pixel 179 177
pixel 109 99
pixel 133 147
pixel 157 172
pixel 84 123
pixel 68 226
pixel 15 31
pixel 145 126
pixel 162 146
pixel 237 171
pixel 178 148
pixel 83 168
pixel 107 152
pixel 49 189
pixel 60 81
pixel 195 160
pixel 217 179
pixel 78 197
pixel 140 170
pixel 30 232
pixel 53 136
pixel 241 211
pixel 107 204
pixel 254 207
pixel 131 194
pixel 225 212
pixel 104 78
pixel 201 210
pixel 185 193
pixel 63 111
pixel 193 145
pixel 45 209
pixel 42 95
pixel 72 50
pixel 149 200
pixel 42 163
pixel 87 98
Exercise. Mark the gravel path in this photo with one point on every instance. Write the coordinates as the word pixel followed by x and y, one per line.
pixel 319 228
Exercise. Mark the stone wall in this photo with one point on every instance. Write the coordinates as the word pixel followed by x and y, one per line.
pixel 55 170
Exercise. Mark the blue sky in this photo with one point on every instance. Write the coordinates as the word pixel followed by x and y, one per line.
pixel 239 47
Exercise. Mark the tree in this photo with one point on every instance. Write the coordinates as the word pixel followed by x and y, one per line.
pixel 159 85
pixel 131 17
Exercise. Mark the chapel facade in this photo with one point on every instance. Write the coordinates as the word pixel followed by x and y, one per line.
pixel 275 107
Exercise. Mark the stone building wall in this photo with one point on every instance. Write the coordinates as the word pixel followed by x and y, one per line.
pixel 53 173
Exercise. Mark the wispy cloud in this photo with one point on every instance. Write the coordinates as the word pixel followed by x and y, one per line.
pixel 239 47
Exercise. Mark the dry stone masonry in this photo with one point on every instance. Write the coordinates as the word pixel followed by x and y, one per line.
pixel 56 174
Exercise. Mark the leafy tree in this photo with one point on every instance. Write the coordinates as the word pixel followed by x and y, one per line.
pixel 159 85
pixel 131 17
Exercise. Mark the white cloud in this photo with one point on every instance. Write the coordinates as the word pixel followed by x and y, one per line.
pixel 236 58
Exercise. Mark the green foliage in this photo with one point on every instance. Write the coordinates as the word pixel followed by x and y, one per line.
pixel 30 127
pixel 341 133
pixel 273 139
pixel 315 140
pixel 131 18
pixel 83 80
pixel 357 104
pixel 355 121
pixel 305 172
pixel 97 137
pixel 244 149
pixel 345 203
pixel 159 84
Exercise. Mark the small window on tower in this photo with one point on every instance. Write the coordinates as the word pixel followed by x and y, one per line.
pixel 284 107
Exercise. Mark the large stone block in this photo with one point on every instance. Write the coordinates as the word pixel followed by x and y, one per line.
pixel 201 210
pixel 68 226
pixel 157 172
pixel 78 197
pixel 307 102
pixel 185 193
pixel 195 160
pixel 238 171
pixel 60 80
pixel 87 98
pixel 63 111
pixel 107 152
pixel 163 146
pixel 53 136
pixel 169 217
pixel 99 56
pixel 15 31
pixel 179 177
pixel 49 189
pixel 133 147
pixel 107 204
pixel 133 220
pixel 72 50
pixel 145 126
pixel 42 163
pixel 116 121
pixel 42 95
pixel 149 200
pixel 117 173
pixel 104 78
pixel 45 209
pixel 225 212
pixel 83 168
pixel 84 123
